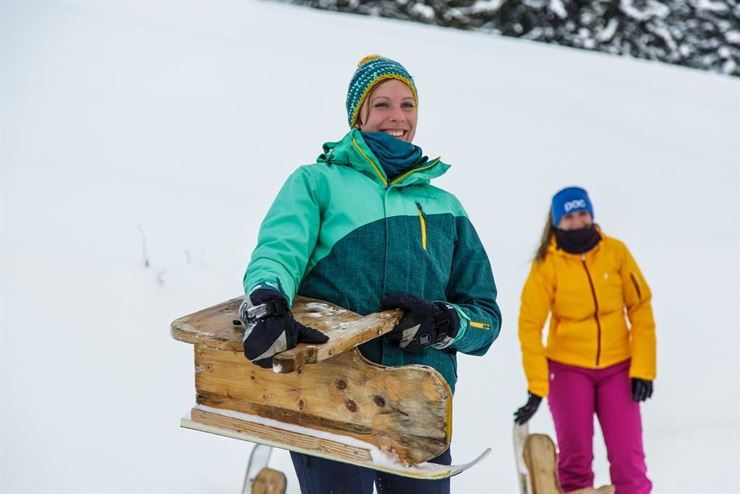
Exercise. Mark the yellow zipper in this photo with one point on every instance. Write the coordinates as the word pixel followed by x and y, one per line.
pixel 423 224
pixel 382 177
pixel 480 325
pixel 427 166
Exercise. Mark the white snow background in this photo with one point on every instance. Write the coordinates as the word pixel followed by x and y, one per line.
pixel 162 131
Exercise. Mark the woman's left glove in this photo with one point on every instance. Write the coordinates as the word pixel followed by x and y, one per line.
pixel 641 389
pixel 527 411
pixel 270 327
pixel 424 323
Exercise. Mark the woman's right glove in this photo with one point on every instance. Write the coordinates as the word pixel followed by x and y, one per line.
pixel 274 332
pixel 523 414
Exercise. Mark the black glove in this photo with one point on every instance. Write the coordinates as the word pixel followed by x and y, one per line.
pixel 641 389
pixel 274 333
pixel 523 414
pixel 424 323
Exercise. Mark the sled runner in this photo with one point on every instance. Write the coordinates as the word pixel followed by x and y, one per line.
pixel 522 474
pixel 323 400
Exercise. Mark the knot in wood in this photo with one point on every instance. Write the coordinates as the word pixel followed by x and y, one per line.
pixel 351 405
pixel 379 400
pixel 341 385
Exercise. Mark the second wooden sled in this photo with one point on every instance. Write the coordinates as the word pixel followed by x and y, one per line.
pixel 536 461
pixel 323 400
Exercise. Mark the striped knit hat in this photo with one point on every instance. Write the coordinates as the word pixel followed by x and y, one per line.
pixel 372 70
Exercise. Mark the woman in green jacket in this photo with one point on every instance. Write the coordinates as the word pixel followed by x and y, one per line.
pixel 363 228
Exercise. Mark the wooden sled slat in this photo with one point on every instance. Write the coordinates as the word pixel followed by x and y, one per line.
pixel 305 441
pixel 280 436
pixel 214 327
pixel 348 331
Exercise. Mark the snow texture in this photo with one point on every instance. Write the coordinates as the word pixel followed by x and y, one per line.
pixel 142 143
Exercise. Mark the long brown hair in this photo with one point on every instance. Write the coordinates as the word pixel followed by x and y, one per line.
pixel 547 234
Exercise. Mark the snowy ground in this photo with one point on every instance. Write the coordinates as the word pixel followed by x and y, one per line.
pixel 160 131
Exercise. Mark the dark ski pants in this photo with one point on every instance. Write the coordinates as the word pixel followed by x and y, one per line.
pixel 320 476
pixel 576 394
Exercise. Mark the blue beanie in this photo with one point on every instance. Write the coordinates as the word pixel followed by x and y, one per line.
pixel 569 200
pixel 372 70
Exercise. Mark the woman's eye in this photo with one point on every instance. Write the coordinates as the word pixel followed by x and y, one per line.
pixel 380 105
pixel 408 105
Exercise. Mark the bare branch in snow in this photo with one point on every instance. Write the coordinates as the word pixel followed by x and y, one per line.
pixel 143 246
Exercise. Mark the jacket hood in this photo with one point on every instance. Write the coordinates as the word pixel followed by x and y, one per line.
pixel 352 151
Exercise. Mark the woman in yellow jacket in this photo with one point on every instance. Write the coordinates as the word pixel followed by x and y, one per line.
pixel 600 352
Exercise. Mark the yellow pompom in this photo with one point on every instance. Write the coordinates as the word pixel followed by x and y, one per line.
pixel 367 59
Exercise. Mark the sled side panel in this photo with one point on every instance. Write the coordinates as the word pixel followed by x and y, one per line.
pixel 405 411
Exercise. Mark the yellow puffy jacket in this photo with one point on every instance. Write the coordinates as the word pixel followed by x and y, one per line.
pixel 600 313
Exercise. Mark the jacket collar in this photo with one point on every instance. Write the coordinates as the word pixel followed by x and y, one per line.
pixel 352 151
pixel 554 249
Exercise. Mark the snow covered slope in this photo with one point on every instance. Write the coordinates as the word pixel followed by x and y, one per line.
pixel 141 144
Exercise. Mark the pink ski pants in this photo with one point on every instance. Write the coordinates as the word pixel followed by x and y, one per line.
pixel 576 393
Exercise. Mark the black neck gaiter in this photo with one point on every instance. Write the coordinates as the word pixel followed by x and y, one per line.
pixel 577 241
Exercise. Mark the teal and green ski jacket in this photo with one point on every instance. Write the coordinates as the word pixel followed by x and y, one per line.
pixel 340 231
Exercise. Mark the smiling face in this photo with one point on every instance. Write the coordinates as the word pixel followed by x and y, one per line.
pixel 575 221
pixel 390 108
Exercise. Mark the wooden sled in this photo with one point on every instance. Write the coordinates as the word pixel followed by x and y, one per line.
pixel 323 400
pixel 541 460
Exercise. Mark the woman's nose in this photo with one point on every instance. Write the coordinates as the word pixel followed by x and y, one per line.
pixel 397 113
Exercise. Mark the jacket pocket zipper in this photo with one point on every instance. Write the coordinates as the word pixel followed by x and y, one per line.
pixel 480 325
pixel 423 223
